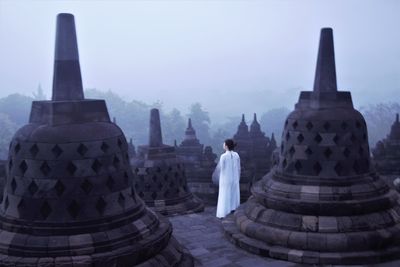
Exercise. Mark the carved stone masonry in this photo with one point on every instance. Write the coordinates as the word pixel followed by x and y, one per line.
pixel 322 203
pixel 160 177
pixel 69 198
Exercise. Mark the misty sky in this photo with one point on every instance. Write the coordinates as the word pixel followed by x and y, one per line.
pixel 242 56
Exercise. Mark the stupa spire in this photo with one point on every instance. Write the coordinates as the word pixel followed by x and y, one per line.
pixel 67 80
pixel 155 137
pixel 325 73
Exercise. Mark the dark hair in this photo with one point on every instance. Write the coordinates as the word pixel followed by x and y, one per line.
pixel 230 144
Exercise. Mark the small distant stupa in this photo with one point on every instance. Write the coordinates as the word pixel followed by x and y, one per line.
pixel 160 178
pixel 387 151
pixel 199 165
pixel 255 151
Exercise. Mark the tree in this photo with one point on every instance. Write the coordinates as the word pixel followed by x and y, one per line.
pixel 218 138
pixel 17 107
pixel 273 120
pixel 173 126
pixel 223 131
pixel 132 117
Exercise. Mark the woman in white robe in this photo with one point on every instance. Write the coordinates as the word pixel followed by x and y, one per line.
pixel 227 175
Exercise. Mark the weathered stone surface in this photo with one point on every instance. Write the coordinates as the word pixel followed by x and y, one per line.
pixel 203 235
pixel 159 175
pixel 69 197
pixel 322 203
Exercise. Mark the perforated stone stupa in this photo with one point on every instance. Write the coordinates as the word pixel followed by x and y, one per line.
pixel 387 151
pixel 322 203
pixel 160 177
pixel 69 198
pixel 199 164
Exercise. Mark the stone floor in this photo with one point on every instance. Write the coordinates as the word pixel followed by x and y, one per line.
pixel 202 234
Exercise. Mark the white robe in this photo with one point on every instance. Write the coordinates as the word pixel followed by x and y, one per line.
pixel 228 172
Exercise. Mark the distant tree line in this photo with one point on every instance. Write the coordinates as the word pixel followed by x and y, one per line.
pixel 133 118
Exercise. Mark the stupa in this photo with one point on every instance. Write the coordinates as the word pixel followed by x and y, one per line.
pixel 323 203
pixel 244 149
pixel 242 139
pixel 160 177
pixel 199 162
pixel 387 151
pixel 261 152
pixel 69 198
pixel 255 153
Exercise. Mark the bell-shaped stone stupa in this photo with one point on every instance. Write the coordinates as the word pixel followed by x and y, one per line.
pixel 160 177
pixel 322 203
pixel 69 198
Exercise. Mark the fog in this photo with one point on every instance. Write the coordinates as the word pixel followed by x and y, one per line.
pixel 231 56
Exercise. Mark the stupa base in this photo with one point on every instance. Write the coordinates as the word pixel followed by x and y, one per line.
pixel 232 225
pixel 158 249
pixel 192 204
pixel 173 255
